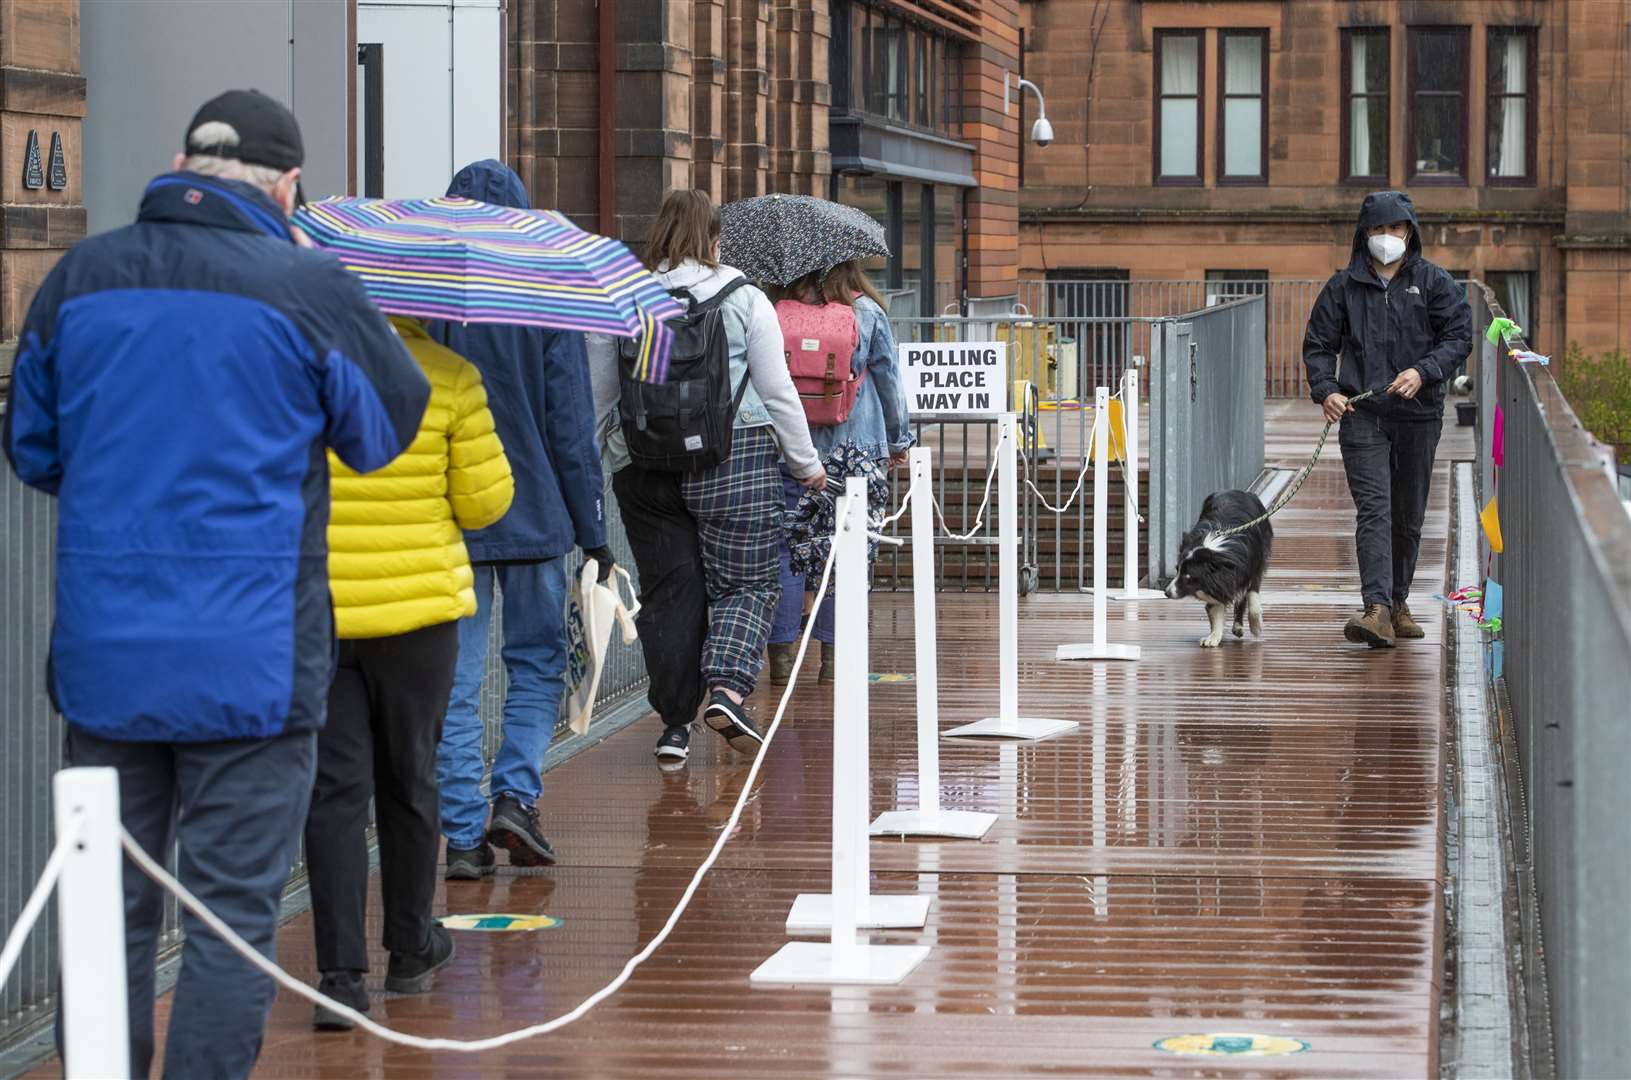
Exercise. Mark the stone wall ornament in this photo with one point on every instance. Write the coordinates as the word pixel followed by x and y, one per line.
pixel 57 175
pixel 33 171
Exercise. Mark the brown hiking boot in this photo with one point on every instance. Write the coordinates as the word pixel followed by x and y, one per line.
pixel 829 664
pixel 1374 628
pixel 1404 626
pixel 781 663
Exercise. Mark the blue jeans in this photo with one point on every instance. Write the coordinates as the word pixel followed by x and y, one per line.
pixel 790 611
pixel 534 654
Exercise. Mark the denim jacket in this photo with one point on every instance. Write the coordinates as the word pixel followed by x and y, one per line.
pixel 878 425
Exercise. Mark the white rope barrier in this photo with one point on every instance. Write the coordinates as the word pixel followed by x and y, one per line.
pixel 1087 464
pixel 1081 478
pixel 154 870
pixel 985 501
pixel 36 904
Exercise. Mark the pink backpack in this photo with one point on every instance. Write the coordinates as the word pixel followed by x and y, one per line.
pixel 820 342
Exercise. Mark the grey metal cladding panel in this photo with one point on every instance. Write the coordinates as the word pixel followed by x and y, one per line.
pixel 322 71
pixel 149 65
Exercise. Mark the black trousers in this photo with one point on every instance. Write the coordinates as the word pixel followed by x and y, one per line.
pixel 1390 472
pixel 673 619
pixel 385 713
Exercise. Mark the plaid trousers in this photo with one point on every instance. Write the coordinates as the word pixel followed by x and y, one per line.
pixel 707 548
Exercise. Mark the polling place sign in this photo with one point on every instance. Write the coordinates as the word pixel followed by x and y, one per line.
pixel 963 378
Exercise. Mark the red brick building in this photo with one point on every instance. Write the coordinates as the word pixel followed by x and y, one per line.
pixel 1234 139
pixel 894 105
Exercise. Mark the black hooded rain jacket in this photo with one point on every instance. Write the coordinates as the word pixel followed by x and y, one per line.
pixel 1364 331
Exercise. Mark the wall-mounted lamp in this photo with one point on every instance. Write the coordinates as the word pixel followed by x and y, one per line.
pixel 1013 87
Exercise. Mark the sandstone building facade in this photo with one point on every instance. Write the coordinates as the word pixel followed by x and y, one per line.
pixel 1230 143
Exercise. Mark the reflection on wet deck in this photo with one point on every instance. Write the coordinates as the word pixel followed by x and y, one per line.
pixel 1234 840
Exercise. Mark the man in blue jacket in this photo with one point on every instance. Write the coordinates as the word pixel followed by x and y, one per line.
pixel 538 390
pixel 1396 324
pixel 177 384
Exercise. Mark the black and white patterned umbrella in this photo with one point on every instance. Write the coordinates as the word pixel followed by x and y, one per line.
pixel 777 239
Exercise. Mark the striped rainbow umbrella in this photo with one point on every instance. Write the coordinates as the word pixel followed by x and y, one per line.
pixel 464 261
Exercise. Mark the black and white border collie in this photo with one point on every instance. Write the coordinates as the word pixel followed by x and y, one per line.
pixel 1225 571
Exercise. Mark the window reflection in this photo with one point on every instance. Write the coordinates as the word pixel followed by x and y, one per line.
pixel 1438 118
pixel 895 70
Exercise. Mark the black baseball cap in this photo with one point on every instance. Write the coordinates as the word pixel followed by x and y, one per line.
pixel 268 133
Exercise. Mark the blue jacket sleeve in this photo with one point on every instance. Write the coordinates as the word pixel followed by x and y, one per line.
pixel 569 425
pixel 883 364
pixel 30 432
pixel 373 392
pixel 1450 317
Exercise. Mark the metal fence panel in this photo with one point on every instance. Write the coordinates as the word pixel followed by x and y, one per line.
pixel 31 738
pixel 1566 632
pixel 1206 418
pixel 1286 307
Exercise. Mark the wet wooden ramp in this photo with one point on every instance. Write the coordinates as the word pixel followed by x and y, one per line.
pixel 1241 840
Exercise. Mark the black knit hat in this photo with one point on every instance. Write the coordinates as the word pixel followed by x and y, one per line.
pixel 268 133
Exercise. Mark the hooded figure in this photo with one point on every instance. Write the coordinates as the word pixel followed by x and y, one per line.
pixel 1399 326
pixel 1417 318
pixel 538 391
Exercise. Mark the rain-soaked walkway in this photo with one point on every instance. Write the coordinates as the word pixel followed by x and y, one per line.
pixel 1240 840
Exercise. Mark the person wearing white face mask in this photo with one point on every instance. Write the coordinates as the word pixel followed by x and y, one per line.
pixel 1392 323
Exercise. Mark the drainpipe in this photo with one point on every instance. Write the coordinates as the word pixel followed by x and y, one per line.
pixel 608 117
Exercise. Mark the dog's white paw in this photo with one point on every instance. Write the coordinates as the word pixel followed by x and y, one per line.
pixel 1257 624
pixel 1210 642
pixel 1254 613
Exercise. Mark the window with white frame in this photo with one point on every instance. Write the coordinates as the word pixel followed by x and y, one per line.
pixel 1243 90
pixel 1365 81
pixel 1178 64
pixel 1511 113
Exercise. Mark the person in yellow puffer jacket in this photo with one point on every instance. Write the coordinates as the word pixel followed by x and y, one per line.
pixel 400 580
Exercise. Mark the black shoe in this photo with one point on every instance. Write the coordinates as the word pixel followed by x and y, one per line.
pixel 731 720
pixel 470 864
pixel 347 988
pixel 412 973
pixel 515 829
pixel 674 746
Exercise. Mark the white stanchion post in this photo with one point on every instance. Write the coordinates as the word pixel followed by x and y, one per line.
pixel 1100 648
pixel 1130 560
pixel 1008 724
pixel 928 819
pixel 91 926
pixel 849 907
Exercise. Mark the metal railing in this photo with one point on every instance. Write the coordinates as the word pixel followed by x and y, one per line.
pixel 32 735
pixel 1565 573
pixel 1203 396
pixel 963 456
pixel 30 739
pixel 1089 308
pixel 1206 418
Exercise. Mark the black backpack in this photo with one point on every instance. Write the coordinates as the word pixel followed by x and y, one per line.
pixel 683 424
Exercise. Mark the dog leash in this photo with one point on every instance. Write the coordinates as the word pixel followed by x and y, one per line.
pixel 1296 484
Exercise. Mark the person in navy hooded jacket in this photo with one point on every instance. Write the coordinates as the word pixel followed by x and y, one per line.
pixel 177 384
pixel 538 390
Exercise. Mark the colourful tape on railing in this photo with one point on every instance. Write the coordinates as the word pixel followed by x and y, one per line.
pixel 1500 329
pixel 1490 518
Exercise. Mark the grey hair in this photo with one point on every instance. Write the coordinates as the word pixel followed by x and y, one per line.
pixel 262 176
pixel 218 136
